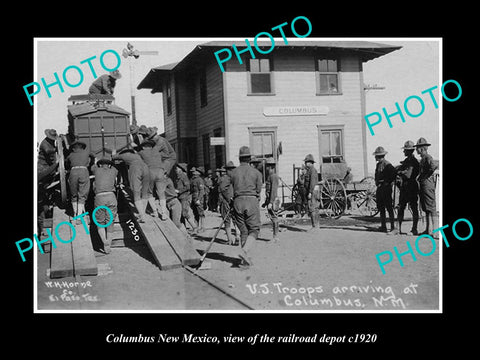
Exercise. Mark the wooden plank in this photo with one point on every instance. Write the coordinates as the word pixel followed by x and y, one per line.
pixel 159 246
pixel 84 262
pixel 179 242
pixel 156 241
pixel 61 258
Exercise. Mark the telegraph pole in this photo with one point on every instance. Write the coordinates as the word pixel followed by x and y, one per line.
pixel 131 52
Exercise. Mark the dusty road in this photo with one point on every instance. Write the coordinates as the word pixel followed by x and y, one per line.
pixel 333 269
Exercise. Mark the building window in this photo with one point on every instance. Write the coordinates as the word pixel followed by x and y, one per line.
pixel 169 95
pixel 327 76
pixel 203 88
pixel 260 77
pixel 263 145
pixel 206 151
pixel 331 145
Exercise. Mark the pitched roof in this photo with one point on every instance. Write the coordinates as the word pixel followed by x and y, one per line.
pixel 367 50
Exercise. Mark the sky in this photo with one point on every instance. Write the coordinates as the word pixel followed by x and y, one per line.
pixel 403 73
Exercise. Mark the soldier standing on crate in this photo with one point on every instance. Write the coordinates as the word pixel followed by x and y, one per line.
pixel 247 185
pixel 105 84
pixel 311 180
pixel 225 191
pixel 272 202
pixel 104 187
pixel 384 176
pixel 408 172
pixel 197 190
pixel 426 181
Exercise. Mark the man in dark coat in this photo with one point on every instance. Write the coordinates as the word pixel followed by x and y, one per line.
pixel 225 196
pixel 247 185
pixel 384 176
pixel 197 190
pixel 407 173
pixel 311 180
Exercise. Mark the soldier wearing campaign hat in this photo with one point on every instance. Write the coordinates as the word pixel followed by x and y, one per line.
pixel 182 184
pixel 225 195
pixel 310 182
pixel 105 84
pixel 384 176
pixel 426 182
pixel 247 185
pixel 407 173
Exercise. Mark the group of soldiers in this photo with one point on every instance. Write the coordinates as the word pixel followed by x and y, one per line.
pixel 415 180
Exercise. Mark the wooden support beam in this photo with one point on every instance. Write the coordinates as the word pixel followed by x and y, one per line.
pixel 61 258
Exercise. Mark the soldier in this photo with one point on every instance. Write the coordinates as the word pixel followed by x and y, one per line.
pixel 311 180
pixel 426 181
pixel 408 172
pixel 156 177
pixel 300 200
pixel 182 184
pixel 138 179
pixel 225 191
pixel 197 190
pixel 105 84
pixel 104 187
pixel 173 204
pixel 271 199
pixel 136 136
pixel 247 185
pixel 47 149
pixel 384 176
pixel 167 158
pixel 78 162
pixel 208 189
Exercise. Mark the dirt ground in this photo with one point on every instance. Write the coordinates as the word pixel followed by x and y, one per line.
pixel 333 269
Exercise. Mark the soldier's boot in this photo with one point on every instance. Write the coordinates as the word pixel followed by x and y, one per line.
pixel 317 220
pixel 163 210
pixel 243 255
pixel 80 211
pixel 276 228
pixel 383 221
pixel 140 205
pixel 414 229
pixel 75 208
pixel 153 205
pixel 201 224
pixel 230 237
pixel 102 232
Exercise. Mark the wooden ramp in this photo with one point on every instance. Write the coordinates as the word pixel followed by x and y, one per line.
pixel 75 257
pixel 170 247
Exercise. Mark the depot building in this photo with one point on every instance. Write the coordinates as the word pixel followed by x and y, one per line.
pixel 304 97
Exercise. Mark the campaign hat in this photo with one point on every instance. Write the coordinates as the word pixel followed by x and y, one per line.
pixel 422 142
pixel 229 165
pixel 380 151
pixel 308 158
pixel 409 145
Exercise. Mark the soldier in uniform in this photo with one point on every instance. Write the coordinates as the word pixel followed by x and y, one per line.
pixel 156 177
pixel 225 191
pixel 197 190
pixel 182 184
pixel 104 185
pixel 300 200
pixel 105 84
pixel 272 202
pixel 138 179
pixel 384 176
pixel 173 204
pixel 426 181
pixel 208 189
pixel 247 185
pixel 311 180
pixel 407 173
pixel 78 162
pixel 168 158
pixel 47 149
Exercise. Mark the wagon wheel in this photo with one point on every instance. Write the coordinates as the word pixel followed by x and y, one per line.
pixel 61 169
pixel 366 200
pixel 333 198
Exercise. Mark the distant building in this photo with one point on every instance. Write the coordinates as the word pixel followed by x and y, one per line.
pixel 304 97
